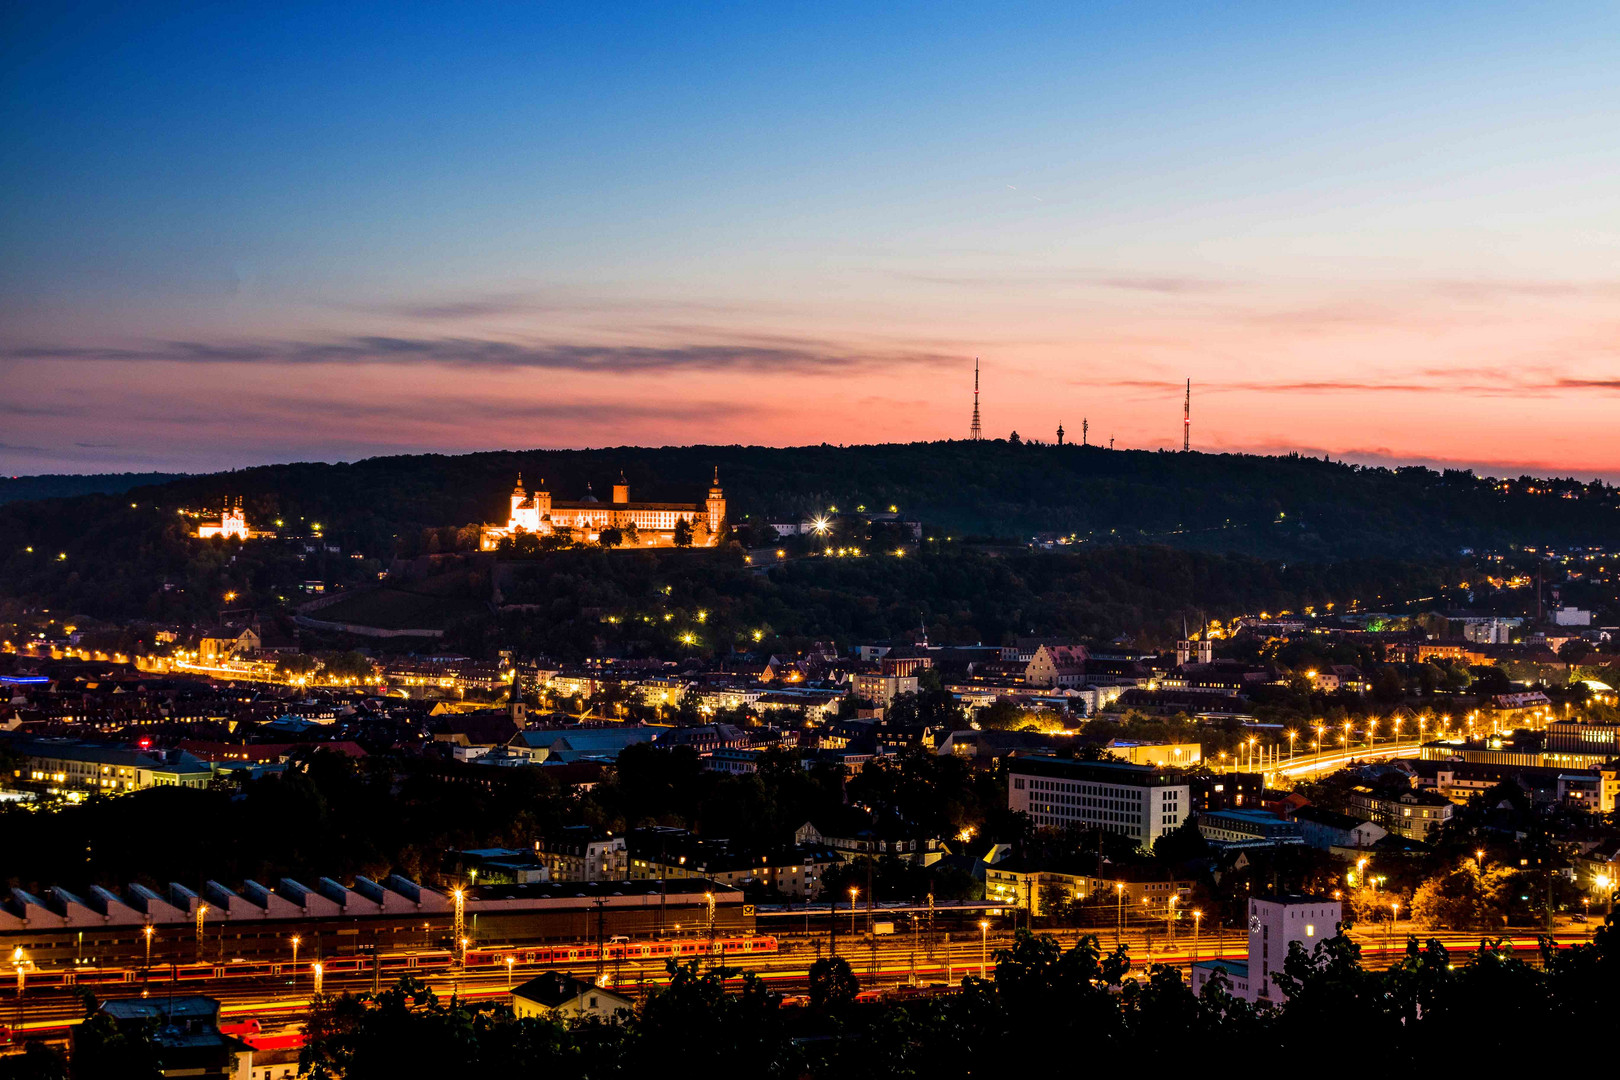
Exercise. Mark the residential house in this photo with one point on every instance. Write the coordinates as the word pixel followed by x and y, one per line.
pixel 559 995
pixel 1411 814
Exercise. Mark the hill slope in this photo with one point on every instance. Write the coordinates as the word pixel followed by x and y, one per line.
pixel 100 553
pixel 61 485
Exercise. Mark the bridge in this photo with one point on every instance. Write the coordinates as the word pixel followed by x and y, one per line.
pixel 1306 766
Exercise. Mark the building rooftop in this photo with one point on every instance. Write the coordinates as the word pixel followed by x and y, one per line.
pixel 562 890
pixel 1103 772
pixel 556 988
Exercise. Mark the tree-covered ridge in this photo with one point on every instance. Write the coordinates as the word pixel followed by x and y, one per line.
pixel 113 554
pixel 571 602
pixel 64 485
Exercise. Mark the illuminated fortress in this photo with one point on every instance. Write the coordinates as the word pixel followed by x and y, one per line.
pixel 642 524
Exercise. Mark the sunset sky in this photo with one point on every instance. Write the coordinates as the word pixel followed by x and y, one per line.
pixel 237 234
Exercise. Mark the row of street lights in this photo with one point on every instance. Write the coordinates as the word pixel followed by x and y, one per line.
pixel 1252 753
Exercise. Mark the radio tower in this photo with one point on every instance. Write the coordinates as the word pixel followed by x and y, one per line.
pixel 1085 432
pixel 977 432
pixel 1186 420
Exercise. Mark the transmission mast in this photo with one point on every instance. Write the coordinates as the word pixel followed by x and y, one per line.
pixel 977 432
pixel 1186 420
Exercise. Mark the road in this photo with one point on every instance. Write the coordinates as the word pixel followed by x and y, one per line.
pixel 1303 766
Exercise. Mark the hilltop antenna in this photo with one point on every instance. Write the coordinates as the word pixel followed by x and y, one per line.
pixel 1085 431
pixel 1186 420
pixel 976 432
pixel 1110 442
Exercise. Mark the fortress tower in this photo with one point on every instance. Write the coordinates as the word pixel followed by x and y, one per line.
pixel 715 504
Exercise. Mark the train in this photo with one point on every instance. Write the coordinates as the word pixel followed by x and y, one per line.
pixel 586 953
pixel 394 965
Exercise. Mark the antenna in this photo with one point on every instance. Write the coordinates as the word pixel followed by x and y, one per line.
pixel 1186 420
pixel 976 432
pixel 1085 432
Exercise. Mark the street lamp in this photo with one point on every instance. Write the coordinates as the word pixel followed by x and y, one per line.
pixel 1119 916
pixel 510 960
pixel 984 946
pixel 1198 919
pixel 853 892
pixel 146 932
pixel 1170 916
pixel 319 971
pixel 295 940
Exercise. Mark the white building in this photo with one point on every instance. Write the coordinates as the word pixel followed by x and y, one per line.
pixel 1274 924
pixel 1490 631
pixel 1133 800
pixel 882 689
pixel 561 996
pixel 1569 616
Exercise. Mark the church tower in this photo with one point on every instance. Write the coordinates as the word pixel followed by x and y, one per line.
pixel 621 490
pixel 716 505
pixel 519 497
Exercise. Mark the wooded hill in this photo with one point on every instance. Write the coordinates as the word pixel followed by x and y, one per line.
pixel 109 553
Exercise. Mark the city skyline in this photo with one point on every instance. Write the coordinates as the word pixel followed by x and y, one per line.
pixel 333 232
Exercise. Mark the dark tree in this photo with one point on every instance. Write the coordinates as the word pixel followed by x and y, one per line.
pixel 833 984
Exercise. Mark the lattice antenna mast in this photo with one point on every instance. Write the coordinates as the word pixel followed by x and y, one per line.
pixel 976 432
pixel 1186 420
pixel 1085 432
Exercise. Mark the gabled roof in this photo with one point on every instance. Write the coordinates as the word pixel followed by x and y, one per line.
pixel 556 988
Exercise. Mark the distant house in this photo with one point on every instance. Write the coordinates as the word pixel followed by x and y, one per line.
pixel 576 744
pixel 1344 677
pixel 556 994
pixel 706 738
pixel 734 761
pixel 987 749
pixel 852 840
pixel 1329 829
pixel 582 853
pixel 220 645
pixel 185 1033
pixel 1248 828
pixel 1025 649
pixel 1412 815
pixel 1056 665
pixel 1032 883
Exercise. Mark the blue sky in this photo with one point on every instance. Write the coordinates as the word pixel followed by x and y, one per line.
pixel 336 230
